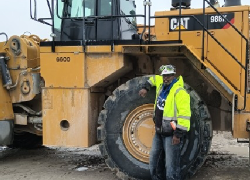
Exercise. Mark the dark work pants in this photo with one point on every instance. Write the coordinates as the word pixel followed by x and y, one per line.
pixel 164 162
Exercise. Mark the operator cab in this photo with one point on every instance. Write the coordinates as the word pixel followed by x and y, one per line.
pixel 94 20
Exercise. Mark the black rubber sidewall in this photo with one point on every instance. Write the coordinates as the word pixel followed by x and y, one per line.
pixel 124 104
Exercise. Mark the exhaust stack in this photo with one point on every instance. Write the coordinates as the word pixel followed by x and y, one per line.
pixel 232 3
pixel 184 3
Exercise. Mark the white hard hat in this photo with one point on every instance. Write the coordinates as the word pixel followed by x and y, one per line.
pixel 167 69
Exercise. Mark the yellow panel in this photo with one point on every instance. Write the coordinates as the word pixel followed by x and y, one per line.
pixel 62 49
pixel 215 56
pixel 190 38
pixel 79 49
pixel 223 61
pixel 200 11
pixel 239 130
pixel 248 103
pixel 105 67
pixel 162 29
pixel 63 69
pixel 66 104
pixel 98 49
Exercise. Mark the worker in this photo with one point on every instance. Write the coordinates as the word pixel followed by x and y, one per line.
pixel 172 120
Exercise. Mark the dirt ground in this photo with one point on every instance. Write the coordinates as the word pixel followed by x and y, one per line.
pixel 228 160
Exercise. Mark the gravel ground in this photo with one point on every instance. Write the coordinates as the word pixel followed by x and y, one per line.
pixel 227 160
pixel 54 164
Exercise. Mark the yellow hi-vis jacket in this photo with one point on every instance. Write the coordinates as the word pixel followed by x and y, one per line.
pixel 177 104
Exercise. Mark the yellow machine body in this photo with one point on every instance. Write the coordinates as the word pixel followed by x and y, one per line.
pixel 74 80
pixel 216 59
pixel 72 76
pixel 75 90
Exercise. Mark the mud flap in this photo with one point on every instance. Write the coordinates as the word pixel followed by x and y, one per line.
pixel 6 132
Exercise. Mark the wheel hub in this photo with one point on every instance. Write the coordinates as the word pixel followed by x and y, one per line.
pixel 138 132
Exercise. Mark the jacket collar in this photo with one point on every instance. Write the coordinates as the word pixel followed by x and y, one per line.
pixel 179 82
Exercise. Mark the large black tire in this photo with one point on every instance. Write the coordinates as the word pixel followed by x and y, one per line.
pixel 26 140
pixel 117 107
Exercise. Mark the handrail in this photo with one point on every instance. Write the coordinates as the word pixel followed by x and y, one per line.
pixel 148 2
pixel 112 26
pixel 218 42
pixel 41 20
pixel 205 29
pixel 224 48
pixel 31 16
pixel 180 1
pixel 149 20
pixel 105 17
pixel 247 50
pixel 203 33
pixel 145 20
pixel 50 10
pixel 227 20
pixel 53 46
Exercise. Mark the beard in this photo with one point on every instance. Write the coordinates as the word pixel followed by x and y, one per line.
pixel 166 83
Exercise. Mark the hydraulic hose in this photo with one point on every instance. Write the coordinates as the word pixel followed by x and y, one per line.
pixel 7 81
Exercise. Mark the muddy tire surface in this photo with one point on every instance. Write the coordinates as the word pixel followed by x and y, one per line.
pixel 124 100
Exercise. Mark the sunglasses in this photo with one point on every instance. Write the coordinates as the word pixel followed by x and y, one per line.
pixel 167 75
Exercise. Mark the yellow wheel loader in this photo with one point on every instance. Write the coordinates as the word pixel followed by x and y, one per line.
pixel 81 87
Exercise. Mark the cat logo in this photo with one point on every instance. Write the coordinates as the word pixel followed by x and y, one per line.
pixel 174 23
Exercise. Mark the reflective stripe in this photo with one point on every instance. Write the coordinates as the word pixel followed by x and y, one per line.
pixel 175 110
pixel 178 90
pixel 182 127
pixel 159 92
pixel 175 107
pixel 150 82
pixel 169 118
pixel 184 117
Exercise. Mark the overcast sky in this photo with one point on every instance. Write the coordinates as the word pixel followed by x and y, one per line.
pixel 15 15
